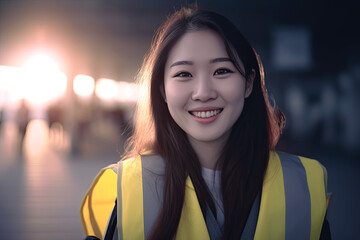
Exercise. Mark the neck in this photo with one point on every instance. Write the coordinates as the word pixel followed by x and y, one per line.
pixel 208 152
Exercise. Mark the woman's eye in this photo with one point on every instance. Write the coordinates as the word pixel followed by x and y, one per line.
pixel 222 71
pixel 183 74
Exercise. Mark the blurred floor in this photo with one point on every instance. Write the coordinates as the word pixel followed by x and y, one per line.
pixel 41 189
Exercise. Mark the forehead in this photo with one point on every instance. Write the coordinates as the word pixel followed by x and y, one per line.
pixel 198 45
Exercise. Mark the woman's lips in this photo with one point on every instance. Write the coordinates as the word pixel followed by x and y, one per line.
pixel 206 116
pixel 205 113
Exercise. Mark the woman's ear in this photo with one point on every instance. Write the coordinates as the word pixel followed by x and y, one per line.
pixel 250 83
pixel 162 90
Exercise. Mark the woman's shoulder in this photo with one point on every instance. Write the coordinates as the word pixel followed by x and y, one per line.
pixel 291 163
pixel 286 158
pixel 98 201
pixel 148 162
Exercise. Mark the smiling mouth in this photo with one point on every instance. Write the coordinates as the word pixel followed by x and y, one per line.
pixel 206 114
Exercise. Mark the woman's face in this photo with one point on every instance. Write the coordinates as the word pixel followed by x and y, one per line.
pixel 203 89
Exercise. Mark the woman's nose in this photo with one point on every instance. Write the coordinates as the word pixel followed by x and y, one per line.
pixel 204 90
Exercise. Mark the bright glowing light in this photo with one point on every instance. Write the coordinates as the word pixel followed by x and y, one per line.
pixel 8 75
pixel 5 76
pixel 10 80
pixel 84 85
pixel 2 100
pixel 127 92
pixel 41 62
pixel 106 89
pixel 41 80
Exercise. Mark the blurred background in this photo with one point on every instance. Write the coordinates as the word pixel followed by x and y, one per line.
pixel 67 96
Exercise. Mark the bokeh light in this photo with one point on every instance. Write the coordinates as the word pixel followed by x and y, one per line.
pixel 127 92
pixel 10 79
pixel 84 85
pixel 41 81
pixel 106 89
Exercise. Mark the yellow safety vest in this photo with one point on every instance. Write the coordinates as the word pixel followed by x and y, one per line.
pixel 293 201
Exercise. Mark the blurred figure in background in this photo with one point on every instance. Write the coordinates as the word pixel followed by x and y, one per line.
pixel 349 113
pixel 296 105
pixel 22 121
pixel 328 99
pixel 55 115
pixel 82 132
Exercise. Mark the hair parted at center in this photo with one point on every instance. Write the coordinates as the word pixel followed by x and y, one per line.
pixel 244 159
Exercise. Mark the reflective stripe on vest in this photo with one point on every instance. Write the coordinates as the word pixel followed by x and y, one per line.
pixel 133 182
pixel 293 201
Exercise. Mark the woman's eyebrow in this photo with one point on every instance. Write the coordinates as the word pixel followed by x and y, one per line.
pixel 215 60
pixel 222 59
pixel 181 63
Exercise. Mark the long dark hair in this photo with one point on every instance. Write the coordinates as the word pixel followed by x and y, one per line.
pixel 244 159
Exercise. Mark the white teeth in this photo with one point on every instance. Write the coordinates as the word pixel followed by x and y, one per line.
pixel 206 114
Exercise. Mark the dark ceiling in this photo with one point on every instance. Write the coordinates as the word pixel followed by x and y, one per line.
pixel 109 38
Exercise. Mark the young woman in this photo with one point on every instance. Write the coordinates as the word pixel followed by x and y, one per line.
pixel 201 163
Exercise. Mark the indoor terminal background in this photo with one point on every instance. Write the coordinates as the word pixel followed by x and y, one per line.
pixel 68 66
